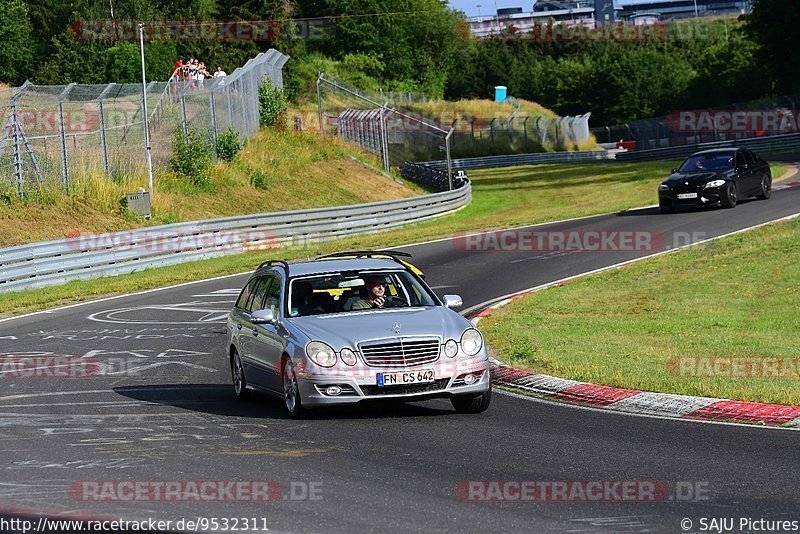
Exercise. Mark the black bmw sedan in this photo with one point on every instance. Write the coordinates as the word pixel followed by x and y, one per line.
pixel 718 177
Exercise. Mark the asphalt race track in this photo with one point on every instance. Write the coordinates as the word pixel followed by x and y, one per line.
pixel 163 410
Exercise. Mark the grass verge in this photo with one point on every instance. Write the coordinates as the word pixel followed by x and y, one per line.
pixel 695 322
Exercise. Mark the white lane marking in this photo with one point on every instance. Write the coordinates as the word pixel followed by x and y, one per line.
pixel 114 404
pixel 505 299
pixel 631 414
pixel 208 315
pixel 54 394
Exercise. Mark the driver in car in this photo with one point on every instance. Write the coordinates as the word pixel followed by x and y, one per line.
pixel 374 295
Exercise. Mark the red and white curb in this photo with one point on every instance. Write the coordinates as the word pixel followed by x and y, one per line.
pixel 645 402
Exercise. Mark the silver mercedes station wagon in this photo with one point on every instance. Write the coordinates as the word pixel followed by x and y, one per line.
pixel 350 327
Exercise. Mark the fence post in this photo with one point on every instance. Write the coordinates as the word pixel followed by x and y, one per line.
pixel 230 106
pixel 184 120
pixel 17 154
pixel 101 109
pixel 62 129
pixel 319 104
pixel 13 122
pixel 385 139
pixel 491 129
pixel 213 114
pixel 525 128
pixel 449 161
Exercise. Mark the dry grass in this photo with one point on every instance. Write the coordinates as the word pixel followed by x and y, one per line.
pixel 481 108
pixel 294 171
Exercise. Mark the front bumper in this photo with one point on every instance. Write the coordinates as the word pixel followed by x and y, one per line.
pixel 710 196
pixel 361 384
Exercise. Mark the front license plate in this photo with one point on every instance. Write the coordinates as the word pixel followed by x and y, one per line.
pixel 405 377
pixel 684 196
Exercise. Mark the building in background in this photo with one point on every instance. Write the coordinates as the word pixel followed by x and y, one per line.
pixel 598 13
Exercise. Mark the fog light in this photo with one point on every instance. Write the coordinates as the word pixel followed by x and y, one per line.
pixel 333 390
pixel 470 379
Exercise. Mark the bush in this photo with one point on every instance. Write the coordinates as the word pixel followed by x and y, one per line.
pixel 271 104
pixel 228 144
pixel 192 155
pixel 259 179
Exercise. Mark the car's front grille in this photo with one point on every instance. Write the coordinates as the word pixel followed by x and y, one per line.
pixel 400 352
pixel 436 385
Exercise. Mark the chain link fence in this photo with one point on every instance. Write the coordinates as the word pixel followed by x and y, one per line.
pixel 381 123
pixel 53 134
pixel 392 135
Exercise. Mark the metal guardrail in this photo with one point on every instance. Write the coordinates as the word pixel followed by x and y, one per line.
pixel 432 178
pixel 771 143
pixel 55 262
pixel 511 160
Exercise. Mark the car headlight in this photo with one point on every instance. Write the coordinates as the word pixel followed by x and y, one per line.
pixel 348 356
pixel 714 183
pixel 321 354
pixel 450 348
pixel 663 187
pixel 471 342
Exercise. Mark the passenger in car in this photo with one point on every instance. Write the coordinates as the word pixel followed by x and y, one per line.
pixel 303 302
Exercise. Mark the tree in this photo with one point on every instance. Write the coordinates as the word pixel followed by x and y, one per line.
pixel 774 25
pixel 16 42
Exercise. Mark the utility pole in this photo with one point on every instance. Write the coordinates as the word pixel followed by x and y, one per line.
pixel 144 109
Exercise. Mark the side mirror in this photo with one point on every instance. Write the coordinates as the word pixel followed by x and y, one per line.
pixel 263 317
pixel 674 170
pixel 453 301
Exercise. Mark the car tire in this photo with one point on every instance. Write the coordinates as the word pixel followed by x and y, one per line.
pixel 472 403
pixel 237 375
pixel 766 188
pixel 729 200
pixel 666 208
pixel 291 391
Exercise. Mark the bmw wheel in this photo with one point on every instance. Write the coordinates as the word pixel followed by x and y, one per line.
pixel 766 188
pixel 291 390
pixel 239 380
pixel 472 404
pixel 729 200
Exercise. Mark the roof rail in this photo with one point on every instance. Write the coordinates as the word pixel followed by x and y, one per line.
pixel 282 263
pixel 393 254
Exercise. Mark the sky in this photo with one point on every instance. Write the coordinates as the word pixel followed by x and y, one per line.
pixel 487 6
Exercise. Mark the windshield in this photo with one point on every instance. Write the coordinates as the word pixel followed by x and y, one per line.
pixel 708 162
pixel 353 291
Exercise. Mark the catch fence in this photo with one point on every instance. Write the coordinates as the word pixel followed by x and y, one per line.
pixel 54 134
